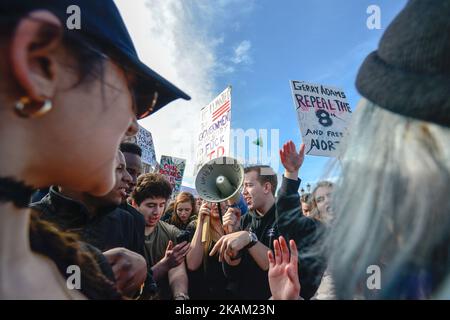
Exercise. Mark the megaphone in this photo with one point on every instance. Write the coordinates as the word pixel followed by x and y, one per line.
pixel 219 180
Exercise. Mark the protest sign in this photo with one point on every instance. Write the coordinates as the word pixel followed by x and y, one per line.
pixel 173 169
pixel 145 141
pixel 323 115
pixel 213 140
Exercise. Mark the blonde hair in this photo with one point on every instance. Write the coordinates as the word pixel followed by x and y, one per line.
pixel 394 205
pixel 215 232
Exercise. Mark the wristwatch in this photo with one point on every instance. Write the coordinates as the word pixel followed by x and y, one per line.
pixel 253 240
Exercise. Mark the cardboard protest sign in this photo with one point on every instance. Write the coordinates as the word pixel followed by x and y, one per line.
pixel 145 141
pixel 213 140
pixel 323 115
pixel 173 169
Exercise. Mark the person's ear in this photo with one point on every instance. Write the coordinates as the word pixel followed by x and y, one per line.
pixel 133 128
pixel 267 188
pixel 134 204
pixel 32 54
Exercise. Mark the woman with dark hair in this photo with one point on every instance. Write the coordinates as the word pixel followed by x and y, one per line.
pixel 67 98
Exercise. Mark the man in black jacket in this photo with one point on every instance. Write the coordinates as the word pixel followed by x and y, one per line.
pixel 244 251
pixel 100 222
pixel 133 153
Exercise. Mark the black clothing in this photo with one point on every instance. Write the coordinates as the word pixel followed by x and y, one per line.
pixel 111 227
pixel 248 280
pixel 139 222
pixel 209 281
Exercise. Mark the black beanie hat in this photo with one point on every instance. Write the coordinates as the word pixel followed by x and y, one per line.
pixel 409 74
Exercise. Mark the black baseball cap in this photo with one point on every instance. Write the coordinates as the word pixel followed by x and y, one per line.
pixel 103 25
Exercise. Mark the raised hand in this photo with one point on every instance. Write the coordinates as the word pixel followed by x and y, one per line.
pixel 291 160
pixel 283 271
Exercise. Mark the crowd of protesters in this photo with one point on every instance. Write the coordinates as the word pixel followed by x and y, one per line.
pixel 68 100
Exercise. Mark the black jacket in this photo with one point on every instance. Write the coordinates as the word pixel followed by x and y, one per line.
pixel 113 227
pixel 110 228
pixel 248 280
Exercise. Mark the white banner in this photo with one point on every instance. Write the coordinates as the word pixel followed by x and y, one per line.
pixel 145 141
pixel 215 129
pixel 323 115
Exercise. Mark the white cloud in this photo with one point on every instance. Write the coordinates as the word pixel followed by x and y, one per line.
pixel 242 53
pixel 175 39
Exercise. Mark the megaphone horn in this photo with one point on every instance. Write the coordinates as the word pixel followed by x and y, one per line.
pixel 220 180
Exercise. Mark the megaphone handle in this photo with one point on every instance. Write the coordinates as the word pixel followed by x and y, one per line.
pixel 220 213
pixel 205 229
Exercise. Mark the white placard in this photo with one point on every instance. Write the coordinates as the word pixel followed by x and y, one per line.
pixel 213 140
pixel 145 141
pixel 323 115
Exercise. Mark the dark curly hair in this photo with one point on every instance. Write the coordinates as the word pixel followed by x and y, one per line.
pixel 131 147
pixel 151 185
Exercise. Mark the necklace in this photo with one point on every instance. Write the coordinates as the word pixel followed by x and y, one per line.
pixel 16 192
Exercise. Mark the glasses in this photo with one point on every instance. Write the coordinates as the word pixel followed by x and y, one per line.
pixel 143 104
pixel 144 100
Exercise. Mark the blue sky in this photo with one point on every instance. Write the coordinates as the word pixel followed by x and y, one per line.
pixel 257 47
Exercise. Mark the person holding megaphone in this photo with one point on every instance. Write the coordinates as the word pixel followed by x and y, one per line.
pixel 209 281
pixel 243 250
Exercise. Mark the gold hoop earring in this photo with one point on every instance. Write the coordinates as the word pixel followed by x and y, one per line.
pixel 25 108
pixel 150 108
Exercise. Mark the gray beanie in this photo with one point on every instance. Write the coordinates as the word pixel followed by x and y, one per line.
pixel 409 74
